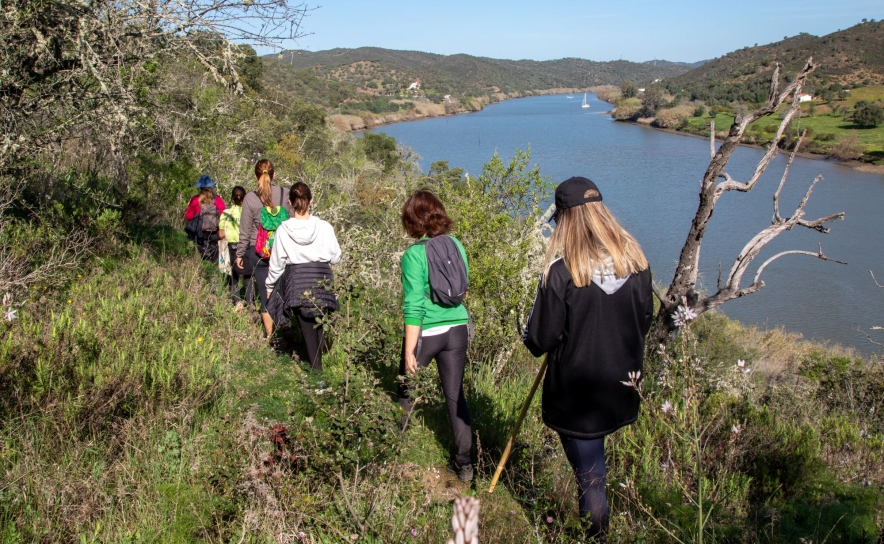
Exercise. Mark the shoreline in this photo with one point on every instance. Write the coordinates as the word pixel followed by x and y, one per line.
pixel 856 165
pixel 424 110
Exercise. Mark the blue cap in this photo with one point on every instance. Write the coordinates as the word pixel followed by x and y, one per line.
pixel 205 181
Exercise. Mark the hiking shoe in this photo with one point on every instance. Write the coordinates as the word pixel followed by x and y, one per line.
pixel 464 473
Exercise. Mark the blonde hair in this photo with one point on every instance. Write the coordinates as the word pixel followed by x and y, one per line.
pixel 207 196
pixel 264 172
pixel 585 237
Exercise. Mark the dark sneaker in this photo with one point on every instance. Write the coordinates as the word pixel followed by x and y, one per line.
pixel 464 473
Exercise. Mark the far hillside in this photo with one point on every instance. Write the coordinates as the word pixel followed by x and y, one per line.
pixel 380 81
pixel 850 57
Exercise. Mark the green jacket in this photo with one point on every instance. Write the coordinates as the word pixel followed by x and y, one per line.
pixel 418 309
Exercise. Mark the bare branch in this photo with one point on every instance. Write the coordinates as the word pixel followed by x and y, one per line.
pixel 875 280
pixel 686 273
pixel 711 139
pixel 776 197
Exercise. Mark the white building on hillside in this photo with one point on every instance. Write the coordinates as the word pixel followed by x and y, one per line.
pixel 804 97
pixel 415 86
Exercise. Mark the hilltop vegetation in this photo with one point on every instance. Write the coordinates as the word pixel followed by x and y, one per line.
pixel 850 57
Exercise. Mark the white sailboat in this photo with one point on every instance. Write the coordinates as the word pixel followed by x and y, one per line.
pixel 585 105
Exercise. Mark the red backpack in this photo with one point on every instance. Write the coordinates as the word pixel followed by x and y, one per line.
pixel 271 218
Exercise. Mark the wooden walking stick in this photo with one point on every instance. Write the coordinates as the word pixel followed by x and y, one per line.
pixel 517 426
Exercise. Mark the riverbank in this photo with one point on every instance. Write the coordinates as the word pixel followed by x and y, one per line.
pixel 856 165
pixel 427 110
pixel 750 140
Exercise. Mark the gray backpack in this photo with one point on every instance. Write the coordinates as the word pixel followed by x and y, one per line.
pixel 447 270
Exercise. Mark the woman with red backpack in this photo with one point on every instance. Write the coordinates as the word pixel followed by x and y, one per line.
pixel 263 210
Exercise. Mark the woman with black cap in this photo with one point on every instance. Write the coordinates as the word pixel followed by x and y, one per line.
pixel 592 311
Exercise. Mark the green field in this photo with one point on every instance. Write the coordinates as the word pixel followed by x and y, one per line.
pixel 825 127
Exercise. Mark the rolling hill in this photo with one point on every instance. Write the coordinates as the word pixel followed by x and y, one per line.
pixel 854 56
pixel 375 72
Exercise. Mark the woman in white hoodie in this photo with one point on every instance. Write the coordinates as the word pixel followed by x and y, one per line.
pixel 299 280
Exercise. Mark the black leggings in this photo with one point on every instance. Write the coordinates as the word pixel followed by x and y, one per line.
pixel 235 280
pixel 450 351
pixel 587 457
pixel 313 339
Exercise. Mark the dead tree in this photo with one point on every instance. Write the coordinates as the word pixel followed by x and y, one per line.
pixel 715 183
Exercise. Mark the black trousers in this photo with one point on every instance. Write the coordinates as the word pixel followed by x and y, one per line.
pixel 450 351
pixel 261 268
pixel 235 277
pixel 587 458
pixel 313 336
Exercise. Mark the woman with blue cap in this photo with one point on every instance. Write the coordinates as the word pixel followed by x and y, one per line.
pixel 194 208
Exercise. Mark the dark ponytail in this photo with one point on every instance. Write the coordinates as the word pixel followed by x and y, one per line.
pixel 300 197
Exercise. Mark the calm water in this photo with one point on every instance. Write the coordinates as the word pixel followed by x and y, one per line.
pixel 650 179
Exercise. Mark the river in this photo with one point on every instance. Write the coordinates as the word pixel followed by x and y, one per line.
pixel 650 179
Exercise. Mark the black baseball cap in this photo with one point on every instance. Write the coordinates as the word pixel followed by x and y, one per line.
pixel 574 192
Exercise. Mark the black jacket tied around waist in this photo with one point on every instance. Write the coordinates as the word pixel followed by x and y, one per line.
pixel 305 288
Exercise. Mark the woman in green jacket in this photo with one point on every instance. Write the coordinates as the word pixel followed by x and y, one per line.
pixel 434 331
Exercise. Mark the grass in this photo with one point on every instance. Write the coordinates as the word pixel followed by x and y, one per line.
pixel 143 411
pixel 822 123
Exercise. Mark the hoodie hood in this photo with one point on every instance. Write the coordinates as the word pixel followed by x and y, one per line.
pixel 302 231
pixel 606 278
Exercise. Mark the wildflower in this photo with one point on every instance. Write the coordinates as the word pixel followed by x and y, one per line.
pixel 199 339
pixel 414 532
pixel 79 275
pixel 634 377
pixel 549 519
pixel 69 301
pixel 741 367
pixel 9 315
pixel 7 298
pixel 665 465
pixel 302 535
pixel 684 314
pixel 741 363
pixel 736 429
pixel 667 407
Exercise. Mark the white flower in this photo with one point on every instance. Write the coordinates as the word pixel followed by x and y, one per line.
pixel 7 298
pixel 684 314
pixel 9 315
pixel 634 377
pixel 741 363
pixel 736 429
pixel 665 465
pixel 667 407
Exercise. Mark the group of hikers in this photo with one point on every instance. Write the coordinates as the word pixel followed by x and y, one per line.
pixel 591 313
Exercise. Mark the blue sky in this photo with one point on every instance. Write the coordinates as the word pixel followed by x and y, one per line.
pixel 638 30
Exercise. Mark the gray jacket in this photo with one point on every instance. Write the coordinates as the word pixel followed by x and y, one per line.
pixel 251 216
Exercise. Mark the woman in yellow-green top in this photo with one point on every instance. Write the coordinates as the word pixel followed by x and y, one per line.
pixel 228 228
pixel 433 331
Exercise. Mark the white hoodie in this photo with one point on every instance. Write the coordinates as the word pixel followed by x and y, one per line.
pixel 298 241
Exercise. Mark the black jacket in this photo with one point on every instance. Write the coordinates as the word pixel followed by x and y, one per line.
pixel 305 288
pixel 594 339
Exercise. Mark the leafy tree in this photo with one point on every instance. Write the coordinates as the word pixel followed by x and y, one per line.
pixel 652 99
pixel 700 111
pixel 628 89
pixel 867 114
pixel 382 148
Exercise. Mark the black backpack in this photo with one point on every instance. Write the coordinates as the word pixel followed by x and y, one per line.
pixel 447 271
